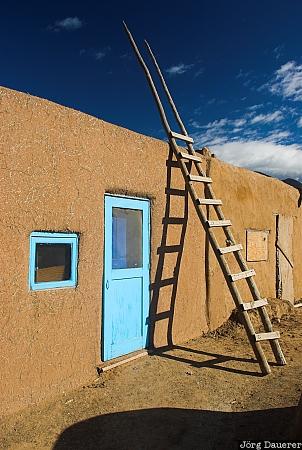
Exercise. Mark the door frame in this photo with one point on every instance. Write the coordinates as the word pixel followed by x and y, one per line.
pixel 127 202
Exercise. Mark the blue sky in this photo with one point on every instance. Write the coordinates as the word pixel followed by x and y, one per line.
pixel 234 68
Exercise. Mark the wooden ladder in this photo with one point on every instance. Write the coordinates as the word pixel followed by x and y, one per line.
pixel 232 249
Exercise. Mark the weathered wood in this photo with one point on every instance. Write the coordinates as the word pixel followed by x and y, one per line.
pixel 212 239
pixel 181 137
pixel 200 179
pixel 167 92
pixel 284 250
pixel 123 361
pixel 219 223
pixel 230 249
pixel 150 81
pixel 267 336
pixel 242 275
pixel 253 305
pixel 285 256
pixel 257 245
pixel 208 201
pixel 189 157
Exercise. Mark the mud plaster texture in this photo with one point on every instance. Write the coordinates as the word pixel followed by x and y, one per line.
pixel 56 165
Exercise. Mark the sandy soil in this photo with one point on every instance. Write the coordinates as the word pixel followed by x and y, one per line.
pixel 205 394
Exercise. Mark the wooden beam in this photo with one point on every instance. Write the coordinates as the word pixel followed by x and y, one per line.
pixel 242 275
pixel 267 336
pixel 182 137
pixel 199 178
pixel 189 157
pixel 208 201
pixel 253 305
pixel 123 361
pixel 219 223
pixel 230 249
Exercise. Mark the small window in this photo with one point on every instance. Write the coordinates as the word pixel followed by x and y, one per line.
pixel 53 260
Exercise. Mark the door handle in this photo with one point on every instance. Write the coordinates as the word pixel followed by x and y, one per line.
pixel 107 284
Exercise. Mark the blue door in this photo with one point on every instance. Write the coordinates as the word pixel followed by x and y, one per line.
pixel 126 276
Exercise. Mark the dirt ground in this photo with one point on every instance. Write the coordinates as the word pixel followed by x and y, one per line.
pixel 206 394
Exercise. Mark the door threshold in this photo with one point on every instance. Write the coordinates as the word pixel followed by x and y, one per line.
pixel 108 365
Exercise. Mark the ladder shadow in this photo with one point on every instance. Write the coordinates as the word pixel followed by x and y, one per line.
pixel 213 363
pixel 164 249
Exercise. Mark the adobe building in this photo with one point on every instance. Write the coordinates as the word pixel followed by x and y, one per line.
pixel 102 253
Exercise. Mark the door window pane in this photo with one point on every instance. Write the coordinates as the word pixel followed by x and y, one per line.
pixel 53 262
pixel 127 249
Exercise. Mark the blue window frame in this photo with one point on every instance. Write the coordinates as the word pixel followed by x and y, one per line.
pixel 53 260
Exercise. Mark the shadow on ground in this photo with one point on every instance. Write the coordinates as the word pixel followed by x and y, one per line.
pixel 171 428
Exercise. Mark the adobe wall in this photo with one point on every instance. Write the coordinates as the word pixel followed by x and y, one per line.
pixel 252 201
pixel 55 166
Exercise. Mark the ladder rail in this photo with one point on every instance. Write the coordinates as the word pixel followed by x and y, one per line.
pixel 167 92
pixel 150 81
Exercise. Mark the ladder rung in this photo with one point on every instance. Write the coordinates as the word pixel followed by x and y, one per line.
pixel 267 336
pixel 241 275
pixel 199 178
pixel 219 223
pixel 188 156
pixel 253 305
pixel 181 137
pixel 208 201
pixel 230 249
pixel 177 192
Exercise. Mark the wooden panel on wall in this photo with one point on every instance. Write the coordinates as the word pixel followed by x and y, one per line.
pixel 257 245
pixel 284 257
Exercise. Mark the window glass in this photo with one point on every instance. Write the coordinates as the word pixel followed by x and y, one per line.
pixel 53 262
pixel 127 251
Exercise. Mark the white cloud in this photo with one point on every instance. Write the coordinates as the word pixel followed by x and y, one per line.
pixel 255 107
pixel 282 161
pixel 278 51
pixel 99 55
pixel 299 123
pixel 278 135
pixel 239 122
pixel 240 143
pixel 287 81
pixel 68 24
pixel 268 118
pixel 217 123
pixel 199 72
pixel 243 74
pixel 179 69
